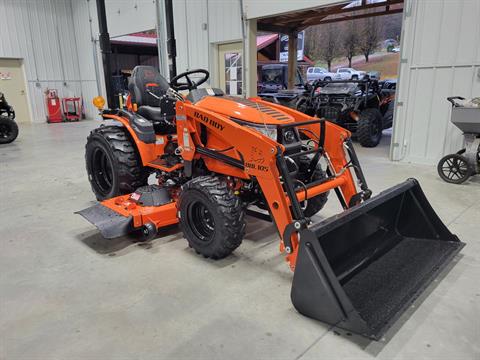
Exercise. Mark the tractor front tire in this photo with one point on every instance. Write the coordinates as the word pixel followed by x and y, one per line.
pixel 113 164
pixel 8 130
pixel 369 128
pixel 211 217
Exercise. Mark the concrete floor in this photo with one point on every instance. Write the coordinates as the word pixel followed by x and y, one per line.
pixel 65 293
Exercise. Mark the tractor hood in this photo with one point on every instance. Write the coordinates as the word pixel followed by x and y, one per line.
pixel 244 109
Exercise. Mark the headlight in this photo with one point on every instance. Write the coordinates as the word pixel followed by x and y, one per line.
pixel 267 130
pixel 289 136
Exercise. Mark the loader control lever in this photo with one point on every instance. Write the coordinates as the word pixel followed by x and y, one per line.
pixel 189 84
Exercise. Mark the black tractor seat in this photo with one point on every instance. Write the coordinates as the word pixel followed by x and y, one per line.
pixel 152 113
pixel 163 123
pixel 148 89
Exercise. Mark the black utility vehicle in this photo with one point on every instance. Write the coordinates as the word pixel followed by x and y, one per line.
pixel 360 106
pixel 274 77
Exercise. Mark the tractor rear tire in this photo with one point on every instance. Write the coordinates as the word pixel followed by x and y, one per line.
pixel 8 130
pixel 113 163
pixel 369 128
pixel 211 217
pixel 315 204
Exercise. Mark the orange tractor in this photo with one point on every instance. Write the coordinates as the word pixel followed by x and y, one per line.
pixel 218 158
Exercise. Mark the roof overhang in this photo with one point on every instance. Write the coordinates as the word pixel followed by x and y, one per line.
pixel 294 22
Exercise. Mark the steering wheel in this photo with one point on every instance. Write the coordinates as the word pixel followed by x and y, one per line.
pixel 189 84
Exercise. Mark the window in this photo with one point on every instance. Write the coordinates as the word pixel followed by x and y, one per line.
pixel 233 73
pixel 318 71
pixel 272 76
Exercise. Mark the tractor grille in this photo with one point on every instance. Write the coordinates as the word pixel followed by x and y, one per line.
pixel 329 112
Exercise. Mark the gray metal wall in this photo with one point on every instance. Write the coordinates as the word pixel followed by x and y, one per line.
pixel 42 33
pixel 201 23
pixel 123 17
pixel 57 39
pixel 440 58
pixel 130 16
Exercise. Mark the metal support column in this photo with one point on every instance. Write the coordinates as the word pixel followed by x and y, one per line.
pixel 292 59
pixel 104 39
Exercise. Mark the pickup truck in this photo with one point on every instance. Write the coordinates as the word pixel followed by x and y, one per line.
pixel 318 73
pixel 349 74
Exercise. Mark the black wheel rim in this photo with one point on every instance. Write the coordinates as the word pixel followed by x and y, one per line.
pixel 5 131
pixel 454 169
pixel 201 221
pixel 102 171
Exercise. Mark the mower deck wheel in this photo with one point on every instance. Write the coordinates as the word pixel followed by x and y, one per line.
pixel 148 232
pixel 113 163
pixel 211 217
pixel 8 130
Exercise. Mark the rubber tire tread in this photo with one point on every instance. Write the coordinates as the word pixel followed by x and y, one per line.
pixel 4 120
pixel 367 116
pixel 225 207
pixel 459 181
pixel 129 173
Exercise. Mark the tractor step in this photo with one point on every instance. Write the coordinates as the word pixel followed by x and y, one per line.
pixel 362 269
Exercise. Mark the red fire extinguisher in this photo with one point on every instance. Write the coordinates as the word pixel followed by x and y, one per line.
pixel 54 107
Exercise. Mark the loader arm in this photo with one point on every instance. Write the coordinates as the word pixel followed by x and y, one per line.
pixel 336 143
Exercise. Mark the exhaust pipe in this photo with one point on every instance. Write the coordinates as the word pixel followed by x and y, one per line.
pixel 362 269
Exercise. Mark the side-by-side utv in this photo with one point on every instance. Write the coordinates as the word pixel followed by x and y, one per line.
pixel 360 106
pixel 219 158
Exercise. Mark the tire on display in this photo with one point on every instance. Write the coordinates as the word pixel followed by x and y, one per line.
pixel 211 217
pixel 113 164
pixel 8 130
pixel 369 128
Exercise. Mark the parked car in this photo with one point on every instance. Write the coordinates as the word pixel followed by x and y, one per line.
pixel 349 74
pixel 274 77
pixel 395 50
pixel 319 73
pixel 359 106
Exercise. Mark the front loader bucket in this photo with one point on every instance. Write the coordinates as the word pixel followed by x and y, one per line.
pixel 362 269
